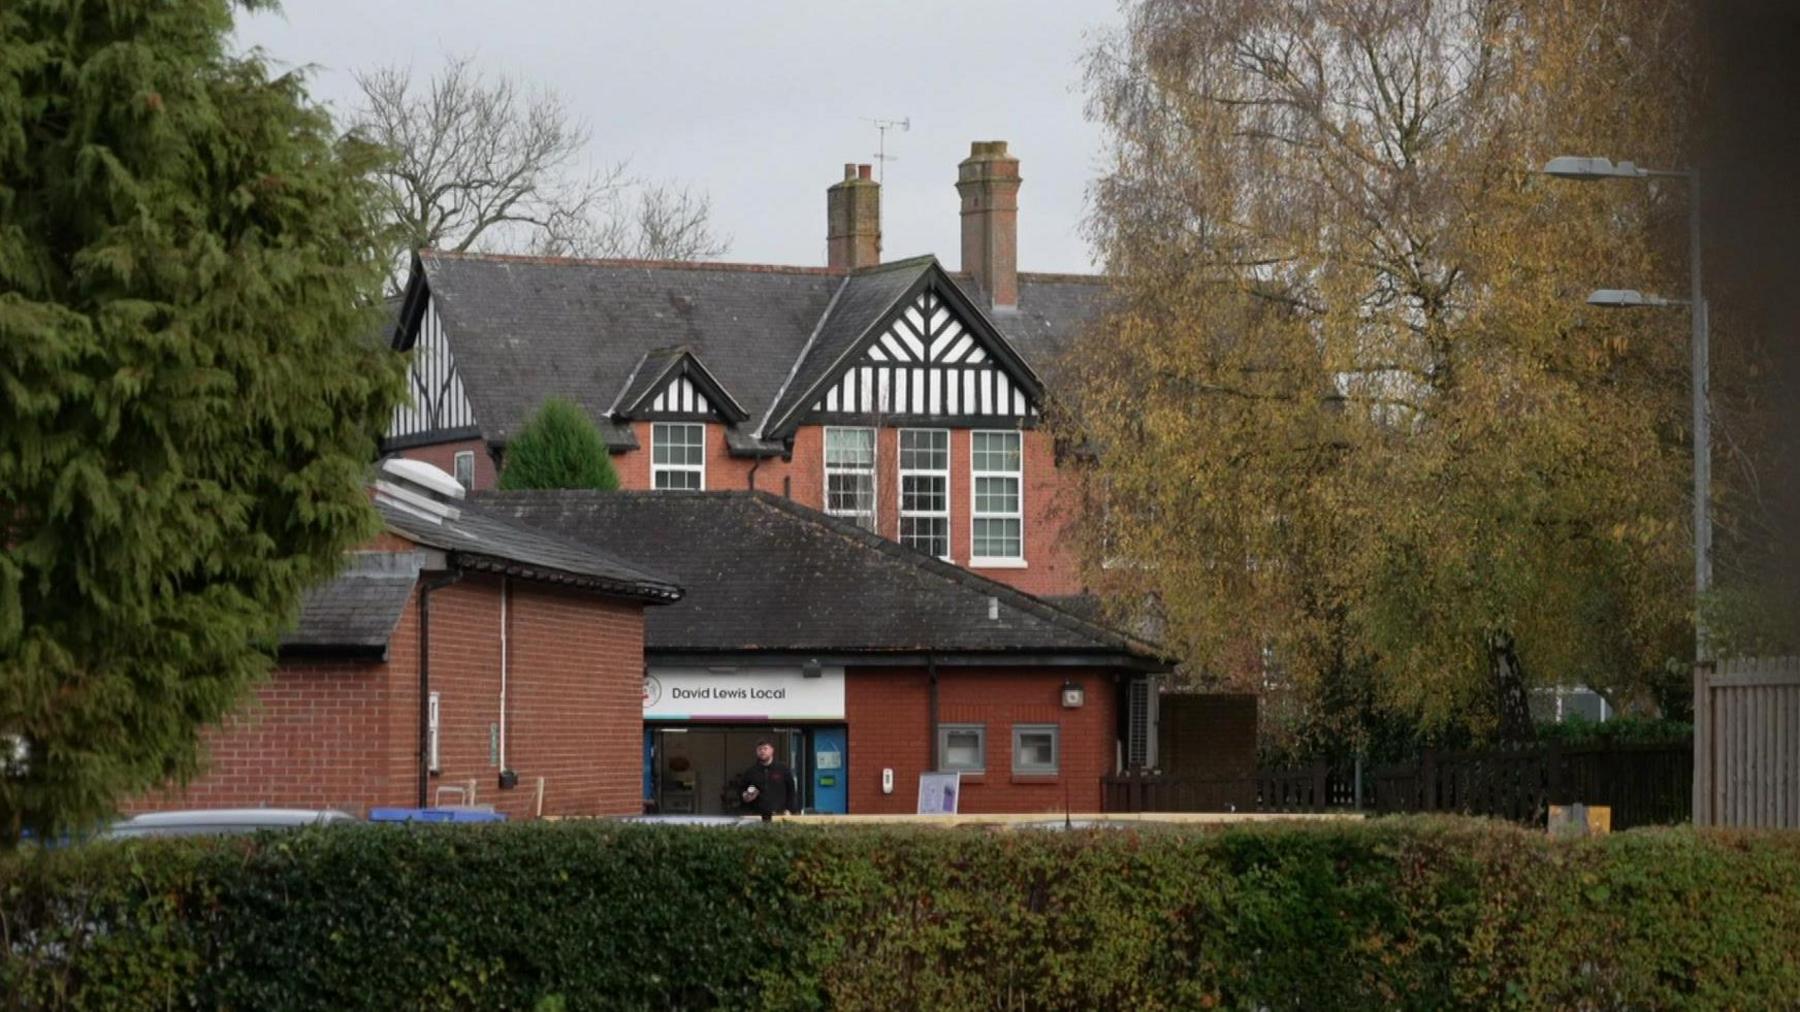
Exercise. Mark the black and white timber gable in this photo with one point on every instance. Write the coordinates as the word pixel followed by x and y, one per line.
pixel 928 356
pixel 437 408
pixel 672 384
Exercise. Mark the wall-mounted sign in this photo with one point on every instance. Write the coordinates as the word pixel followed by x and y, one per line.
pixel 753 695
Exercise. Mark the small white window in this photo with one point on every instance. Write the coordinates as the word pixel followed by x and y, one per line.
pixel 997 473
pixel 678 456
pixel 925 490
pixel 1036 748
pixel 962 747
pixel 431 731
pixel 465 468
pixel 850 474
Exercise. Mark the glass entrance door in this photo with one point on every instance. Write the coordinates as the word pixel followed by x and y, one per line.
pixel 694 764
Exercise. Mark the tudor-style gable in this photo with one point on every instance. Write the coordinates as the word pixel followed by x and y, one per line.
pixel 912 349
pixel 437 408
pixel 672 384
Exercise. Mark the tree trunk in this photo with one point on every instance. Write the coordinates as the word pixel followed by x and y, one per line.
pixel 1512 709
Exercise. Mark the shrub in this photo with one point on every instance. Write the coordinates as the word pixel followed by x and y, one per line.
pixel 1395 913
pixel 558 448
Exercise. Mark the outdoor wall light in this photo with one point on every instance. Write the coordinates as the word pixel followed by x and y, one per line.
pixel 1072 695
pixel 812 668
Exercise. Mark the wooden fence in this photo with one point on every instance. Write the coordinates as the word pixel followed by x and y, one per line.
pixel 1643 784
pixel 1747 738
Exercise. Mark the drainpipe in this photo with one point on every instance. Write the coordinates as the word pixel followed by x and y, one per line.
pixel 505 586
pixel 932 708
pixel 425 590
pixel 753 468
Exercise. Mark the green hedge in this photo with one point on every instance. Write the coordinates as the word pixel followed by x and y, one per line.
pixel 1395 913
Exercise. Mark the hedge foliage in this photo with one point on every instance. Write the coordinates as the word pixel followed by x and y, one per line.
pixel 1396 913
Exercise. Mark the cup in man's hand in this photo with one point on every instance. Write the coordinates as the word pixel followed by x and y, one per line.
pixel 750 793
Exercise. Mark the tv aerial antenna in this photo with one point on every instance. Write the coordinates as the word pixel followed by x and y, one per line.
pixel 881 155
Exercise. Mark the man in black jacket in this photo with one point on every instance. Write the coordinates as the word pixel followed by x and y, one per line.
pixel 768 786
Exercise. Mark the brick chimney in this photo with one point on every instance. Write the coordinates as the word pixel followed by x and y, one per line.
pixel 989 183
pixel 853 220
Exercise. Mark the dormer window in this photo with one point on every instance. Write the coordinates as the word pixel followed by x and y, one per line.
pixel 678 456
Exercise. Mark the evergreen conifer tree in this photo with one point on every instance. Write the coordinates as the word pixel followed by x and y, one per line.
pixel 189 400
pixel 558 448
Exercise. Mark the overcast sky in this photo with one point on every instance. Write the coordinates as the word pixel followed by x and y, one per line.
pixel 761 104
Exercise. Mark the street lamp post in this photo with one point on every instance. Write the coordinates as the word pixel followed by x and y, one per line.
pixel 1602 168
pixel 1568 167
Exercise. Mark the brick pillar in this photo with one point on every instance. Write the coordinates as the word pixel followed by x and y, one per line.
pixel 988 181
pixel 853 220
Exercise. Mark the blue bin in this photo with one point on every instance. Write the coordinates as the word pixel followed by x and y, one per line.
pixel 434 815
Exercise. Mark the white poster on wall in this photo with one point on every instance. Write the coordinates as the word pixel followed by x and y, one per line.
pixel 750 695
pixel 938 793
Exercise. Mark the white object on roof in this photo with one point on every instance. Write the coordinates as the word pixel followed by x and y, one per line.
pixel 417 488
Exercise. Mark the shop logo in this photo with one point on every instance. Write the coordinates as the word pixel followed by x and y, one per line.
pixel 652 691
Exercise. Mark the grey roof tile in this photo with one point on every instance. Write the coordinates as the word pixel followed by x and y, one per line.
pixel 357 610
pixel 483 541
pixel 765 574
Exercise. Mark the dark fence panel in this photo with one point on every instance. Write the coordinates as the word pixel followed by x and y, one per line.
pixel 1642 784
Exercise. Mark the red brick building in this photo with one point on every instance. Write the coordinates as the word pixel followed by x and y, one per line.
pixel 898 395
pixel 460 657
pixel 870 663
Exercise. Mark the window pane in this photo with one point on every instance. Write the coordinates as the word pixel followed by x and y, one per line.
pixel 849 447
pixel 677 479
pixel 995 451
pixel 1034 749
pixel 924 450
pixel 923 494
pixel 849 493
pixel 997 538
pixel 962 749
pixel 930 535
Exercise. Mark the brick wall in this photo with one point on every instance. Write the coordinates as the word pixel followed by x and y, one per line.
pixel 344 734
pixel 1207 734
pixel 888 715
pixel 443 457
pixel 323 734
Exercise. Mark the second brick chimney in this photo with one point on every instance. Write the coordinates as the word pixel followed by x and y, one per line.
pixel 853 220
pixel 988 181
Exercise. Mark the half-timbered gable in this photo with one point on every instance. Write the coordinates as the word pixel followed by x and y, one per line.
pixel 910 349
pixel 437 408
pixel 672 384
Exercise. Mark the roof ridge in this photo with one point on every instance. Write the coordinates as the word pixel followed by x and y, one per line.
pixel 1030 603
pixel 912 261
pixel 678 265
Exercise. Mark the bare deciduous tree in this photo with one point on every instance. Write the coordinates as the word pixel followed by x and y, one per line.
pixel 486 163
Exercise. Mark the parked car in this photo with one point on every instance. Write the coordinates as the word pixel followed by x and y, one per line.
pixel 222 821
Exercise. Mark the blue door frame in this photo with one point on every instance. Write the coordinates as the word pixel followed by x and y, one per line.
pixel 830 768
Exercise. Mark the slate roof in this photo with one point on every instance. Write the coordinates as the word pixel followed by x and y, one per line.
pixel 479 540
pixel 764 574
pixel 357 611
pixel 524 328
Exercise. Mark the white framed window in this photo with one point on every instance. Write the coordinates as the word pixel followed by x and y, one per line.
pixel 925 490
pixel 431 731
pixel 962 747
pixel 850 474
pixel 464 465
pixel 678 455
pixel 1037 748
pixel 997 486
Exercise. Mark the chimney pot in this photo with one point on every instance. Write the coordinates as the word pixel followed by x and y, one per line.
pixel 849 170
pixel 988 182
pixel 863 172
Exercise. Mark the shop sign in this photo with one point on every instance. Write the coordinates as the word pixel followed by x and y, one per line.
pixel 743 694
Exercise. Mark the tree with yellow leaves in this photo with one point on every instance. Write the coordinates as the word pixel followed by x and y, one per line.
pixel 1352 418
